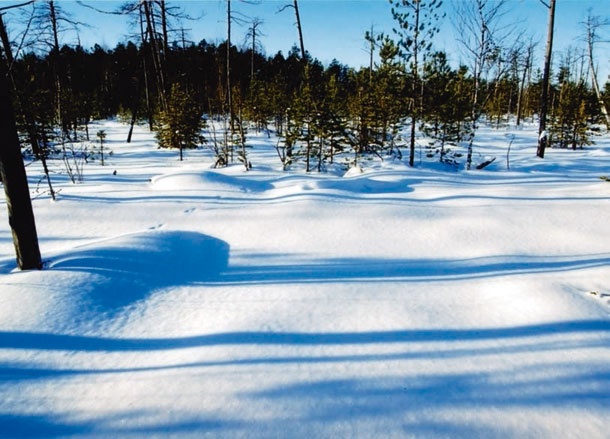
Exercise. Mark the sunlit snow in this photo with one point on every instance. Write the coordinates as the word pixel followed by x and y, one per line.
pixel 183 301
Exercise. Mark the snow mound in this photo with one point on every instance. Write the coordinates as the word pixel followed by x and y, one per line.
pixel 394 302
pixel 207 181
pixel 154 252
pixel 129 267
pixel 363 184
pixel 85 288
pixel 354 171
pixel 225 182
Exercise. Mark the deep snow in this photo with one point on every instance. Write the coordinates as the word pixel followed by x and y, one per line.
pixel 184 301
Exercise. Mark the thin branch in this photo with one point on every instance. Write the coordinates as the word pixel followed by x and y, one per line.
pixel 24 34
pixel 124 10
pixel 6 8
pixel 283 8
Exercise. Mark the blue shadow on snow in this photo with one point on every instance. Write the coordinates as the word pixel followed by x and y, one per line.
pixel 128 268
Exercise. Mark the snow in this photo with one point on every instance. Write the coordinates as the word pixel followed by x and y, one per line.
pixel 183 301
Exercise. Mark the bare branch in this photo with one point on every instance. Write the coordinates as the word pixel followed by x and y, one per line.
pixel 24 34
pixel 123 10
pixel 6 8
pixel 283 8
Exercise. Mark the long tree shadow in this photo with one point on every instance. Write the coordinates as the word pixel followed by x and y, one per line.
pixel 413 403
pixel 457 350
pixel 22 426
pixel 129 268
pixel 315 403
pixel 417 397
pixel 341 270
pixel 45 341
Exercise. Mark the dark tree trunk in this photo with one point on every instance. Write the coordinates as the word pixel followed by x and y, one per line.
pixel 158 63
pixel 149 110
pixel 228 68
pixel 542 135
pixel 134 118
pixel 25 108
pixel 12 170
pixel 30 125
pixel 300 30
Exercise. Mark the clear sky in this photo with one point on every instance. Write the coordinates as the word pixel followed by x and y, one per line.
pixel 334 29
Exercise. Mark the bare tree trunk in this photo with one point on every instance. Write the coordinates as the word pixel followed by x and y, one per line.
pixel 371 38
pixel 134 118
pixel 415 72
pixel 31 126
pixel 252 55
pixel 229 97
pixel 56 66
pixel 483 48
pixel 591 27
pixel 6 45
pixel 300 29
pixel 542 134
pixel 54 25
pixel 14 178
pixel 526 68
pixel 254 32
pixel 145 73
pixel 164 29
pixel 156 55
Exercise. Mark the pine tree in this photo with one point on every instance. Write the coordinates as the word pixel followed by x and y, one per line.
pixel 300 130
pixel 330 123
pixel 417 24
pixel 389 87
pixel 361 108
pixel 448 106
pixel 569 118
pixel 180 126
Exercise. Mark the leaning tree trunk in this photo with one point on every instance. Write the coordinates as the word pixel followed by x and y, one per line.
pixel 598 94
pixel 300 30
pixel 12 171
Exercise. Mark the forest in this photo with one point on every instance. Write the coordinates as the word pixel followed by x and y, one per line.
pixel 318 111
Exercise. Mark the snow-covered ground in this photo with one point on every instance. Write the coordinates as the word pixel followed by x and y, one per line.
pixel 184 301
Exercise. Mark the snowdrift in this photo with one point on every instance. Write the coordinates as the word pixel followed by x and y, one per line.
pixel 183 301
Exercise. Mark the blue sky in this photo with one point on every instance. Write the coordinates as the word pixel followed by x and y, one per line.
pixel 335 28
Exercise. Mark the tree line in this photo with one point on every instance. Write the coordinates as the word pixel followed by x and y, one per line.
pixel 335 104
